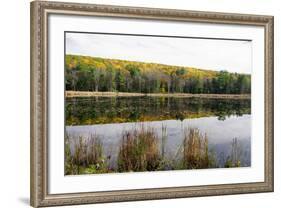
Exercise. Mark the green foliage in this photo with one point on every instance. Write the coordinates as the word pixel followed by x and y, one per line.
pixel 70 167
pixel 86 158
pixel 85 73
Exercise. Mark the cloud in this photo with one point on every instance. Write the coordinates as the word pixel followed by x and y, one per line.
pixel 230 55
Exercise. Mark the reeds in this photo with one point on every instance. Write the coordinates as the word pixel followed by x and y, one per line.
pixel 139 150
pixel 195 150
pixel 163 140
pixel 87 156
pixel 142 149
pixel 233 160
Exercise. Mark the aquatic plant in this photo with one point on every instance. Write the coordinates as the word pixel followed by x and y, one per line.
pixel 139 150
pixel 233 160
pixel 142 149
pixel 195 150
pixel 87 156
pixel 70 167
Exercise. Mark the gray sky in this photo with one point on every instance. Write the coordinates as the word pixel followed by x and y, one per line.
pixel 233 56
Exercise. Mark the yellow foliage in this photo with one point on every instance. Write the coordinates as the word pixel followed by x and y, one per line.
pixel 102 63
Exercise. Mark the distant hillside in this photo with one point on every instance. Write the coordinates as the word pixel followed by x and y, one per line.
pixel 87 61
pixel 84 73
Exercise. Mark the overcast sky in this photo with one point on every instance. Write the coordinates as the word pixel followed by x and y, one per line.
pixel 233 56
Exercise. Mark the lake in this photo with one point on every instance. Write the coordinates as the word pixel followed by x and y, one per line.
pixel 226 123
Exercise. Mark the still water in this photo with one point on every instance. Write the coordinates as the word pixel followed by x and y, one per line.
pixel 220 120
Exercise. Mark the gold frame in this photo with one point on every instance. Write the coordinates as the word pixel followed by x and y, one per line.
pixel 39 103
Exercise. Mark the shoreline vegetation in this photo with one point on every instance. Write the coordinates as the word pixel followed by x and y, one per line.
pixel 143 150
pixel 72 94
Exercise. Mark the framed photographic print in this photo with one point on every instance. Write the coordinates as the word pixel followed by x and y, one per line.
pixel 139 103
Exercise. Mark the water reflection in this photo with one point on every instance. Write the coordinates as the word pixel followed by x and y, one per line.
pixel 223 128
pixel 220 135
pixel 103 110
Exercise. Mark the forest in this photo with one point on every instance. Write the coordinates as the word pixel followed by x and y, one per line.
pixel 84 73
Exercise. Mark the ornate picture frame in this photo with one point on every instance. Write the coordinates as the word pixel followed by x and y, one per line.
pixel 40 88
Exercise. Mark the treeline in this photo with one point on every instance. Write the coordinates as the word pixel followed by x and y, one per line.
pixel 97 74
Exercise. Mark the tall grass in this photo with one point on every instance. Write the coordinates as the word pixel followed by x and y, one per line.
pixel 139 150
pixel 87 156
pixel 163 140
pixel 142 149
pixel 233 160
pixel 196 153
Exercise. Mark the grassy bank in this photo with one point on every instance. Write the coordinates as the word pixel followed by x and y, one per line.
pixel 143 150
pixel 70 94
